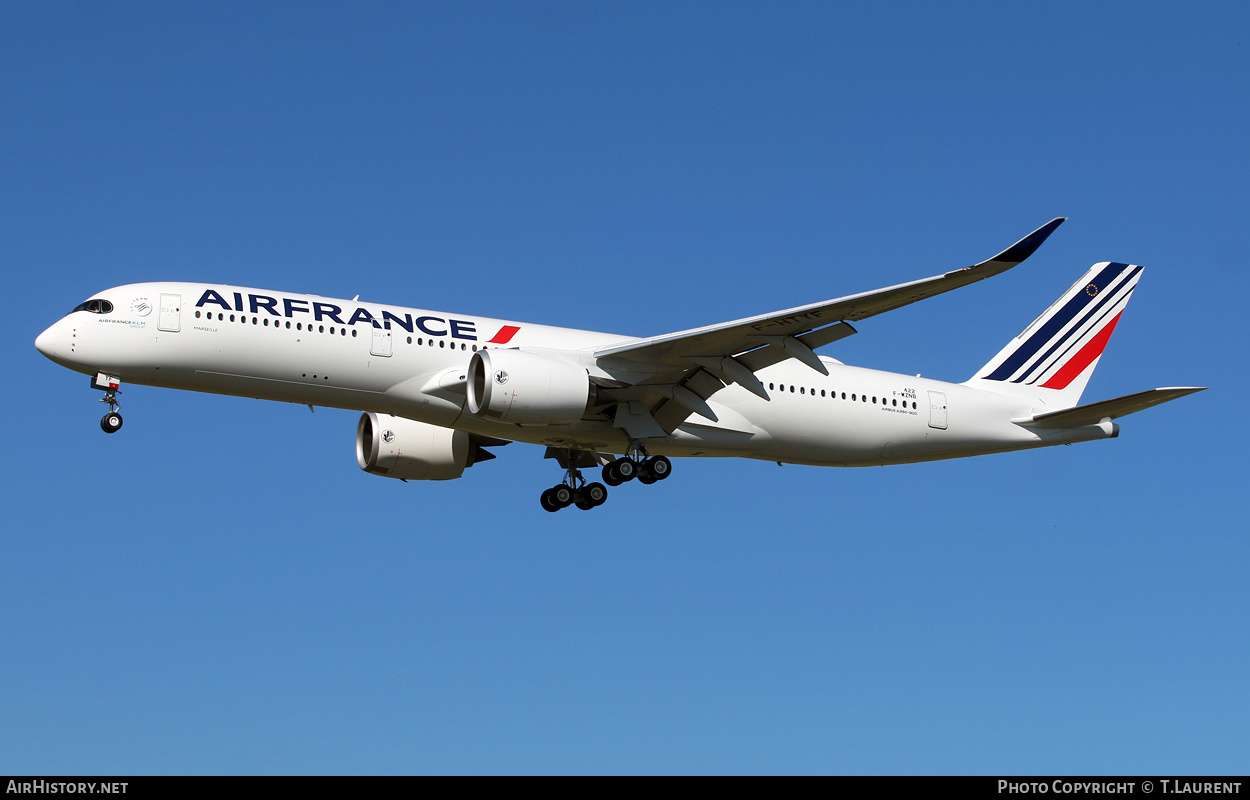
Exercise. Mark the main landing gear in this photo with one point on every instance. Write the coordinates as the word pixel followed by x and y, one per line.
pixel 637 464
pixel 646 470
pixel 112 421
pixel 575 491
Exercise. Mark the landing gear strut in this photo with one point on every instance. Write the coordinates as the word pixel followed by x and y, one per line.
pixel 112 421
pixel 574 491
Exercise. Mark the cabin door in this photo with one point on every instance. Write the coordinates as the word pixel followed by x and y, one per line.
pixel 171 313
pixel 937 410
pixel 381 342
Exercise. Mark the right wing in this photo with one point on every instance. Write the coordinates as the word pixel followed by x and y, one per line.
pixel 685 368
pixel 807 324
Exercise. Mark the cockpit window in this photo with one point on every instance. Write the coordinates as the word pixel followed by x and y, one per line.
pixel 95 307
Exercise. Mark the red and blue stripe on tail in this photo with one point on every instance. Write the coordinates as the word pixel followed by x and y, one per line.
pixel 1052 359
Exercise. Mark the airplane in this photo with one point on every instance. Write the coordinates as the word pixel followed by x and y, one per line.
pixel 438 390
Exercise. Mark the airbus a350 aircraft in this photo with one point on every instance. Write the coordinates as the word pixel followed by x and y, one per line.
pixel 437 390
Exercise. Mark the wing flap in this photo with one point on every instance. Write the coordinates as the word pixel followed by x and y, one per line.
pixel 672 412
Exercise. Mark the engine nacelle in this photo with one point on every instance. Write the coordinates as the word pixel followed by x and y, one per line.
pixel 515 386
pixel 395 447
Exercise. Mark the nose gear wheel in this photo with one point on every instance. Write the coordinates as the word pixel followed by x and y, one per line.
pixel 112 421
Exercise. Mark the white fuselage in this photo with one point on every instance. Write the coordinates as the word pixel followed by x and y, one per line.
pixel 411 363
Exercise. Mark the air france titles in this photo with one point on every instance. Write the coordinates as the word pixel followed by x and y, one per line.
pixel 289 307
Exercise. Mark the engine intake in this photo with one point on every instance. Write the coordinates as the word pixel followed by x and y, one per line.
pixel 515 386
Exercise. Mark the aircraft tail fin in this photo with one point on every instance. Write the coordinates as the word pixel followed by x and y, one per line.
pixel 1051 361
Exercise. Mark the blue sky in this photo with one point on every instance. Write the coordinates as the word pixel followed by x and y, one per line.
pixel 219 589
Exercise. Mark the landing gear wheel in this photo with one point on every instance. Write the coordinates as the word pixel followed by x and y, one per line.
pixel 612 476
pixel 596 493
pixel 590 495
pixel 660 467
pixel 645 477
pixel 626 468
pixel 548 503
pixel 561 496
pixel 111 422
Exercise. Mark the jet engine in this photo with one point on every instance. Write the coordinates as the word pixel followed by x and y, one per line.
pixel 515 386
pixel 395 447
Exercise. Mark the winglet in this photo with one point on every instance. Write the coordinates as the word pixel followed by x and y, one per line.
pixel 1029 244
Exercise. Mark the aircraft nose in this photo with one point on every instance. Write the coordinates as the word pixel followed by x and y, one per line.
pixel 49 341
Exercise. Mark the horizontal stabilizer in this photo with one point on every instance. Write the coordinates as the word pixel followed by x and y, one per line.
pixel 1107 409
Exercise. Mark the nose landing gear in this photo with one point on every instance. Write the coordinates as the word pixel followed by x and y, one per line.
pixel 110 385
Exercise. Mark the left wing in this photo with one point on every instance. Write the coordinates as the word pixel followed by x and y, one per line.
pixel 690 366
